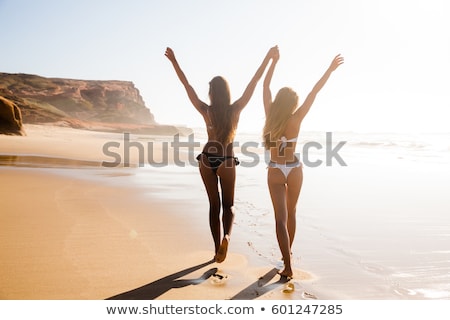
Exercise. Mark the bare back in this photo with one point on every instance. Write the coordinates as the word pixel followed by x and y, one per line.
pixel 214 146
pixel 285 155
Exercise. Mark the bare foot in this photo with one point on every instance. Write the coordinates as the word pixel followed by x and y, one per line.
pixel 286 274
pixel 222 252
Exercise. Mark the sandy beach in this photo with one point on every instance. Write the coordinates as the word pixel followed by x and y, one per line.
pixel 74 229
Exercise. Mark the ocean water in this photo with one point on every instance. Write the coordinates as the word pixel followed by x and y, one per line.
pixel 374 225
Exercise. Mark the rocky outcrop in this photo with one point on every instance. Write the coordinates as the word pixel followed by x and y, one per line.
pixel 10 118
pixel 88 104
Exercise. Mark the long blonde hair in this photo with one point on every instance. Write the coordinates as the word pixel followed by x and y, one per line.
pixel 282 108
pixel 223 118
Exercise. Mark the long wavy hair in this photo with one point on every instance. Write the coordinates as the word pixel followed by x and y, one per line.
pixel 223 119
pixel 284 105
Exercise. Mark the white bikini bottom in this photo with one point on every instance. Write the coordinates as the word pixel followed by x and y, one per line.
pixel 285 167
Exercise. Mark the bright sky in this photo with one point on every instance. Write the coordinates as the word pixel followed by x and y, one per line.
pixel 395 75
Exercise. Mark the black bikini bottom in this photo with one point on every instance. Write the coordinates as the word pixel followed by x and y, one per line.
pixel 215 161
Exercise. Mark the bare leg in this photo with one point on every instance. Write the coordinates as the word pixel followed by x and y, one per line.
pixel 210 180
pixel 277 189
pixel 227 174
pixel 294 185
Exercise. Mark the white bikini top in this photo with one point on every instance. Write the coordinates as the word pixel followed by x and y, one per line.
pixel 285 141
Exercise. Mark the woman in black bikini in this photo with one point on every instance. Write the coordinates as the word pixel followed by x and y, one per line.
pixel 284 175
pixel 217 161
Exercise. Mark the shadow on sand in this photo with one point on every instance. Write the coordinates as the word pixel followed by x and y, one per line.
pixel 156 288
pixel 261 286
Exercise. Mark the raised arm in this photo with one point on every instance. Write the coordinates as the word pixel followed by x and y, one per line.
pixel 303 110
pixel 198 104
pixel 267 94
pixel 245 98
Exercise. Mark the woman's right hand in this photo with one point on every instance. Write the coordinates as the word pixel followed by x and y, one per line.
pixel 170 54
pixel 337 61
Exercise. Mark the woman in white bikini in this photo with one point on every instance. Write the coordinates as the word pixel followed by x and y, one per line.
pixel 285 176
pixel 217 161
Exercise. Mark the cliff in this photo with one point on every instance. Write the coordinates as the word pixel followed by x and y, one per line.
pixel 10 118
pixel 85 104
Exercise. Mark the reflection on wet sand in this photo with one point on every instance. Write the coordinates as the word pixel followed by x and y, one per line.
pixel 32 161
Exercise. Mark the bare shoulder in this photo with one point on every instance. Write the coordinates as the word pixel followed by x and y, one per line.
pixel 237 106
pixel 293 125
